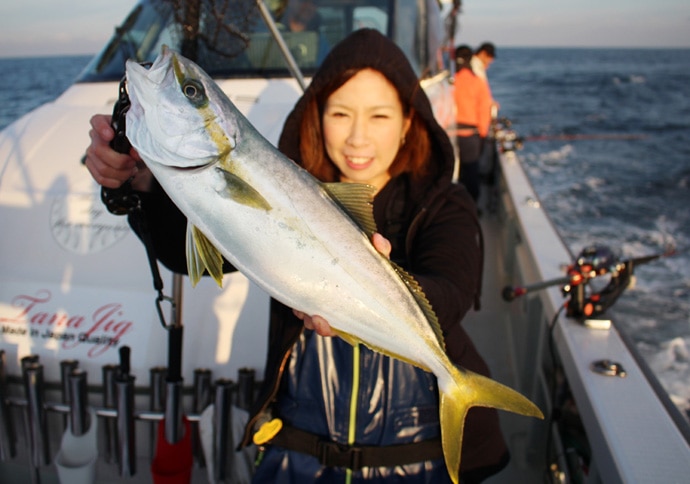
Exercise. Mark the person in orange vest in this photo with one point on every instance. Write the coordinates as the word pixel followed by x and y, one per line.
pixel 472 118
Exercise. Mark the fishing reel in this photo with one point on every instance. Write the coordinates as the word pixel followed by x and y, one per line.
pixel 506 137
pixel 122 200
pixel 596 281
pixel 593 282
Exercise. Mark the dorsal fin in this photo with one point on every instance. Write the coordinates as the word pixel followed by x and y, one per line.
pixel 357 199
pixel 423 302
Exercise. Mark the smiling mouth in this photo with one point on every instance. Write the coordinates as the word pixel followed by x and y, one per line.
pixel 358 161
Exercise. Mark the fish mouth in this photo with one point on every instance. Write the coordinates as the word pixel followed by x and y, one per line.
pixel 191 168
pixel 186 168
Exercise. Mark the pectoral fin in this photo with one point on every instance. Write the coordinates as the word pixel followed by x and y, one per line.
pixel 202 255
pixel 242 192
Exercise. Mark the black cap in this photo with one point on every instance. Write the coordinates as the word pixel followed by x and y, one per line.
pixel 463 54
pixel 487 47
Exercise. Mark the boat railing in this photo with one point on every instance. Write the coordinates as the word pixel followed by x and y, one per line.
pixel 633 432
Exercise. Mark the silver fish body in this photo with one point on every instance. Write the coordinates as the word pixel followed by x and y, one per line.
pixel 290 234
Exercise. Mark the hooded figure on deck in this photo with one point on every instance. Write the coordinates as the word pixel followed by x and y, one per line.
pixel 327 392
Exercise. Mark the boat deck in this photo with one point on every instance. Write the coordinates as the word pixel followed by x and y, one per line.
pixel 491 331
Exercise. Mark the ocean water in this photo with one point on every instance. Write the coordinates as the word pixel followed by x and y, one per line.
pixel 607 146
pixel 34 81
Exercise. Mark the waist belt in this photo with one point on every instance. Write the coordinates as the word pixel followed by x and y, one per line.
pixel 462 129
pixel 332 454
pixel 465 126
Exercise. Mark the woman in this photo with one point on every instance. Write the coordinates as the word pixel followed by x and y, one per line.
pixel 364 118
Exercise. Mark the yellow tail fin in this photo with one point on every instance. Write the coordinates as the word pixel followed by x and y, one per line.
pixel 472 390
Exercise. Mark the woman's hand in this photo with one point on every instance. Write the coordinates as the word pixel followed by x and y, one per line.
pixel 319 324
pixel 108 167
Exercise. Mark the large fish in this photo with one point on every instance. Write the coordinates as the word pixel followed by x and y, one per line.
pixel 304 242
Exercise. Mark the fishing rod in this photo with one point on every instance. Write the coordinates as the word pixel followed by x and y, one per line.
pixel 581 137
pixel 510 140
pixel 593 261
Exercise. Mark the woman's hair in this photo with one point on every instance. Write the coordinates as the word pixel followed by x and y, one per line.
pixel 412 156
pixel 463 57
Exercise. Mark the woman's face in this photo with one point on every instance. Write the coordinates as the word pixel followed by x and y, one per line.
pixel 363 128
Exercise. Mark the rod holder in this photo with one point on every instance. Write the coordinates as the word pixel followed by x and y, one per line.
pixel 222 435
pixel 245 389
pixel 174 430
pixel 34 388
pixel 8 439
pixel 28 360
pixel 157 391
pixel 79 414
pixel 203 387
pixel 202 398
pixel 127 455
pixel 156 398
pixel 175 339
pixel 66 368
pixel 109 373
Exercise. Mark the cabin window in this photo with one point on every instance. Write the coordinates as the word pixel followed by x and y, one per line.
pixel 229 38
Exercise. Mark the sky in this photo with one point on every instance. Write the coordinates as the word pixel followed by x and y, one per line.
pixel 65 27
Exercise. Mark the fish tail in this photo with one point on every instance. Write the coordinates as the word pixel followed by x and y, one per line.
pixel 469 390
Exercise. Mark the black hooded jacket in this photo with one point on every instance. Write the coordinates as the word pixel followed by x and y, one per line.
pixel 431 223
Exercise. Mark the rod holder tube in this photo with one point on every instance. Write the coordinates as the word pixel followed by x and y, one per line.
pixel 158 386
pixel 34 388
pixel 222 432
pixel 175 339
pixel 245 389
pixel 28 360
pixel 202 398
pixel 174 430
pixel 79 415
pixel 127 455
pixel 202 389
pixel 109 373
pixel 8 438
pixel 156 397
pixel 66 368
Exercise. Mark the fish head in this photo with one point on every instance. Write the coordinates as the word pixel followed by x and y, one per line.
pixel 175 118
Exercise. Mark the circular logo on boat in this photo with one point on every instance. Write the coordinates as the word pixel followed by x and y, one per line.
pixel 81 224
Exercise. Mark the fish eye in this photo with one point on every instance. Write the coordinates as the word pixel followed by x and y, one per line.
pixel 195 92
